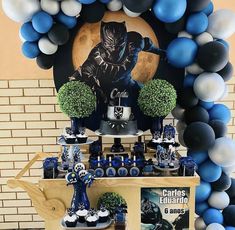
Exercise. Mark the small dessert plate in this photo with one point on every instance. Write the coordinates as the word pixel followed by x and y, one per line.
pixel 63 142
pixel 83 226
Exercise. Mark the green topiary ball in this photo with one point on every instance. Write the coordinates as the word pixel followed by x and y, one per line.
pixel 157 98
pixel 76 99
pixel 111 201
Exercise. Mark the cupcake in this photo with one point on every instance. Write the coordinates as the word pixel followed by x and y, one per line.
pixel 70 219
pixel 81 213
pixel 81 138
pixel 92 218
pixel 103 214
pixel 70 138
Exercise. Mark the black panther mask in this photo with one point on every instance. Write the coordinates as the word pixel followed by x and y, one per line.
pixel 114 39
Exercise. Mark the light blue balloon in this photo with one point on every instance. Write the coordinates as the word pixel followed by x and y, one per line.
pixel 29 33
pixel 169 11
pixel 203 191
pixel 197 23
pixel 189 80
pixel 42 22
pixel 198 156
pixel 213 215
pixel 200 208
pixel 30 49
pixel 206 105
pixel 220 112
pixel 68 21
pixel 229 228
pixel 86 1
pixel 182 52
pixel 209 9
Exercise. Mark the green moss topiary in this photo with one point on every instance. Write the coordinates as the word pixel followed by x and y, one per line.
pixel 157 98
pixel 76 99
pixel 111 201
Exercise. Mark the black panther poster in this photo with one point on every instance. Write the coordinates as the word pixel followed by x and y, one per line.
pixel 164 209
pixel 115 58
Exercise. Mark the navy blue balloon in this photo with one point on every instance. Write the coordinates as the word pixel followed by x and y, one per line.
pixel 197 23
pixel 198 156
pixel 189 80
pixel 220 112
pixel 209 9
pixel 225 43
pixel 105 1
pixel 30 49
pixel 169 11
pixel 209 171
pixel 42 22
pixel 29 33
pixel 86 1
pixel 200 208
pixel 213 215
pixel 69 22
pixel 206 105
pixel 203 191
pixel 181 52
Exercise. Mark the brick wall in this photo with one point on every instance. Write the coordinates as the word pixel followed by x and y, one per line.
pixel 30 121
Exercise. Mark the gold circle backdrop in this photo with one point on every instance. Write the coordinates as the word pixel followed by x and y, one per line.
pixel 89 36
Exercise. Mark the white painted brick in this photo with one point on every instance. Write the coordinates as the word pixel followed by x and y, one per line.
pixel 7 196
pixel 41 141
pixel 23 83
pixel 24 100
pixel 5 133
pixel 4 117
pixel 29 210
pixel 13 141
pixel 11 172
pixel 1 204
pixel 62 124
pixel 1 219
pixel 5 188
pixel 37 218
pixel 51 132
pixel 39 108
pixel 29 225
pixel 5 149
pixel 20 165
pixel 8 211
pixel 11 226
pixel 4 100
pixel 20 218
pixel 51 148
pixel 3 84
pixel 13 157
pixel 48 100
pixel 11 92
pixel 17 203
pixel 57 108
pixel 12 125
pixel 38 92
pixel 40 125
pixel 22 196
pixel 26 133
pixel 25 117
pixel 11 109
pixel 46 83
pixel 27 149
pixel 6 165
pixel 54 117
pixel 36 172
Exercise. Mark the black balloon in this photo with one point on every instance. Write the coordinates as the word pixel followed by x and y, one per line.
pixel 187 98
pixel 227 72
pixel 59 34
pixel 93 12
pixel 175 27
pixel 213 56
pixel 199 136
pixel 231 190
pixel 196 113
pixel 229 215
pixel 138 6
pixel 219 127
pixel 197 5
pixel 222 184
pixel 232 201
pixel 45 61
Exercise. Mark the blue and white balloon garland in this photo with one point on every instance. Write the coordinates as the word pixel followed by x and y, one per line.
pixel 200 48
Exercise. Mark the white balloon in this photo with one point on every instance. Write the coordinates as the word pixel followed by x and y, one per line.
pixel 223 152
pixel 114 5
pixel 215 226
pixel 209 87
pixel 184 34
pixel 222 23
pixel 181 126
pixel 178 112
pixel 130 13
pixel 71 8
pixel 46 46
pixel 204 38
pixel 194 69
pixel 20 10
pixel 225 94
pixel 219 200
pixel 229 170
pixel 199 224
pixel 52 7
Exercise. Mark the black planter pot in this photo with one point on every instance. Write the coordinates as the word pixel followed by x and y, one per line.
pixel 76 124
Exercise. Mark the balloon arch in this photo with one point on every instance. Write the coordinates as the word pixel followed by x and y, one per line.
pixel 199 47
